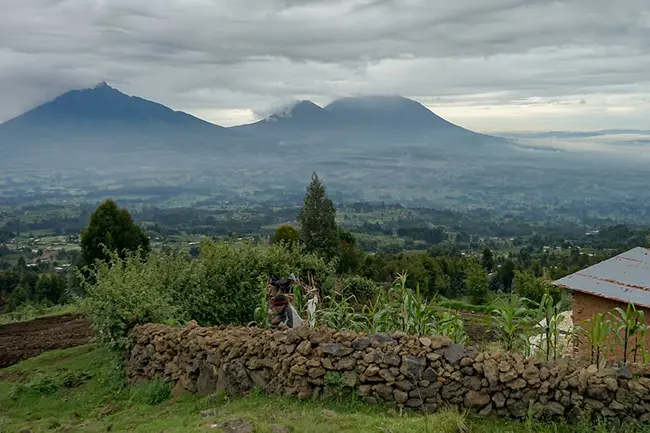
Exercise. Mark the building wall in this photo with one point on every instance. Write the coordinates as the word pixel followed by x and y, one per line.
pixel 585 306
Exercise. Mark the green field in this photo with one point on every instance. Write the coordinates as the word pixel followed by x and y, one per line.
pixel 82 390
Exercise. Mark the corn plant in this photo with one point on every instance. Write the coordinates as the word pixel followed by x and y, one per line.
pixel 629 324
pixel 549 314
pixel 261 313
pixel 595 332
pixel 339 314
pixel 452 326
pixel 511 318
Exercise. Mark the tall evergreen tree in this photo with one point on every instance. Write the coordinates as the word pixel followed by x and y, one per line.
pixel 113 228
pixel 317 221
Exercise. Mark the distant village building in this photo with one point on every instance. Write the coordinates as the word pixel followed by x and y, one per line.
pixel 616 282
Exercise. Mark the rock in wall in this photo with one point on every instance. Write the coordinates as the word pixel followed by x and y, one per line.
pixel 398 370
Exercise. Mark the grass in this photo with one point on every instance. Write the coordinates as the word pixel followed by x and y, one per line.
pixel 31 312
pixel 82 390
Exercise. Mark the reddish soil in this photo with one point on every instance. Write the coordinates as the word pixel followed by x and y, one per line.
pixel 19 341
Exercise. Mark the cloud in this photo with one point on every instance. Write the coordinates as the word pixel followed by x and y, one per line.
pixel 227 60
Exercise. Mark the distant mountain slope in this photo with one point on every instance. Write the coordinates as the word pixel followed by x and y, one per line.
pixel 103 105
pixel 363 121
pixel 84 125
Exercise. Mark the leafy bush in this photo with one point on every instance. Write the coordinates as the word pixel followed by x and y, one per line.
pixel 363 289
pixel 221 286
pixel 127 291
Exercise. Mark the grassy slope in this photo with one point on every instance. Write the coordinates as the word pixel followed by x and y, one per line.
pixel 81 389
pixel 31 312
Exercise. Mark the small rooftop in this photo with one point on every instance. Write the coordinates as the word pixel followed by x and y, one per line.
pixel 624 278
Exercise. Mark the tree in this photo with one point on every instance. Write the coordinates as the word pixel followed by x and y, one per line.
pixel 113 228
pixel 350 257
pixel 487 260
pixel 317 220
pixel 285 233
pixel 477 283
pixel 51 288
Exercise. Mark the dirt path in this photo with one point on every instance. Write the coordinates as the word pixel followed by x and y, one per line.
pixel 19 341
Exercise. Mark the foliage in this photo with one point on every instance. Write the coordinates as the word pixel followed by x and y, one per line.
pixel 477 282
pixel 51 288
pixel 630 329
pixel 125 291
pixel 111 229
pixel 317 220
pixel 285 233
pixel 151 393
pixel 511 318
pixel 338 313
pixel 594 334
pixel 528 286
pixel 549 312
pixel 453 327
pixel 222 286
pixel 363 289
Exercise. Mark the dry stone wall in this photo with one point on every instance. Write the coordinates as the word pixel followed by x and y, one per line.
pixel 399 370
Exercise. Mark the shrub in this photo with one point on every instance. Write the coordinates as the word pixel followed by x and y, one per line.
pixel 221 286
pixel 285 233
pixel 127 291
pixel 363 289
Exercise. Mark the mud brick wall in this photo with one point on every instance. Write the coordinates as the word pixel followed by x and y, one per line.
pixel 397 370
pixel 585 306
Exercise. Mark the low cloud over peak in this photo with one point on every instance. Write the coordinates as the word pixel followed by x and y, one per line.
pixel 503 64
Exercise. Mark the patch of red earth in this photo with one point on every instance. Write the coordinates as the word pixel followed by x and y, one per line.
pixel 19 341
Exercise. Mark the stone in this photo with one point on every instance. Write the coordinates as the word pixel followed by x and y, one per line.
pixel 486 411
pixel 504 366
pixel 380 337
pixel 553 408
pixel 400 396
pixel 304 348
pixel 404 385
pixel 472 382
pixel 531 374
pixel 428 391
pixel 346 363
pixel 412 367
pixel 544 374
pixel 475 399
pixel 365 390
pixel 454 353
pixel 426 342
pixel 393 360
pixel 316 372
pixel 508 376
pixel 299 370
pixel 430 375
pixel 207 381
pixel 384 391
pixel 594 404
pixel 517 384
pixel 624 373
pixel 413 402
pixel 208 413
pixel 371 370
pixel 615 405
pixel 491 371
pixel 336 349
pixel 350 379
pixel 611 383
pixel 386 375
pixel 361 343
pixel 327 363
pixel 499 400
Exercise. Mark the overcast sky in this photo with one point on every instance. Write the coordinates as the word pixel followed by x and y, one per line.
pixel 485 64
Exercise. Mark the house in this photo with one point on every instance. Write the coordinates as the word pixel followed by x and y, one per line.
pixel 609 284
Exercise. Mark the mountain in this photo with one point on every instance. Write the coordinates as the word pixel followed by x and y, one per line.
pixel 88 124
pixel 390 124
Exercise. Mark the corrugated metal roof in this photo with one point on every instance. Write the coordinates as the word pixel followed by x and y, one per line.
pixel 624 278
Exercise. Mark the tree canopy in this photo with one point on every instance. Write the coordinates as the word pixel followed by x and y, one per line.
pixel 113 228
pixel 317 220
